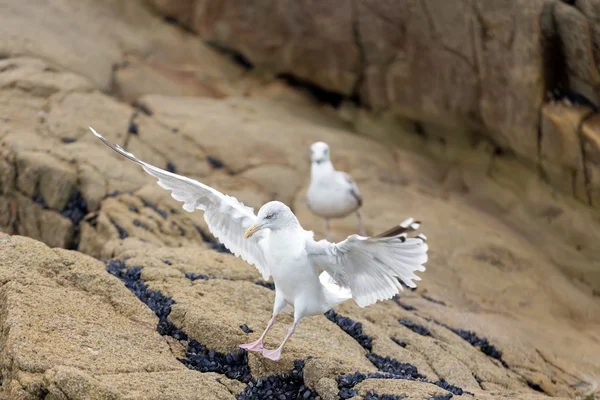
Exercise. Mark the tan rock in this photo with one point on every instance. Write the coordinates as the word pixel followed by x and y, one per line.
pixel 71 329
pixel 560 147
pixel 512 259
pixel 591 147
pixel 412 390
pixel 43 175
pixel 98 38
pixel 136 78
pixel 212 312
pixel 280 47
pixel 70 383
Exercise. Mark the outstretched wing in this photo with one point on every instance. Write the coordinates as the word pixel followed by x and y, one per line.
pixel 370 267
pixel 225 216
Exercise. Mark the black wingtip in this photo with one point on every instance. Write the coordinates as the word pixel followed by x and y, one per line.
pixel 116 147
pixel 408 225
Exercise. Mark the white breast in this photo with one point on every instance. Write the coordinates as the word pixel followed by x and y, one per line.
pixel 288 262
pixel 331 197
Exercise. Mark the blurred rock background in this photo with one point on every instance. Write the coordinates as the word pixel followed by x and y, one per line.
pixel 477 117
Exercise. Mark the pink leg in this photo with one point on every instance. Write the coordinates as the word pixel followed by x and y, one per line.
pixel 258 345
pixel 275 355
pixel 361 228
pixel 328 229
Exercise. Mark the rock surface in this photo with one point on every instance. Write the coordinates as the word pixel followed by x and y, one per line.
pixel 508 307
pixel 483 67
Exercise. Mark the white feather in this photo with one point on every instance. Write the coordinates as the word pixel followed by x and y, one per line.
pixel 370 267
pixel 225 216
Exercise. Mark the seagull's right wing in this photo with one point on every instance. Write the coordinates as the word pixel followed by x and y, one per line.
pixel 225 216
pixel 371 266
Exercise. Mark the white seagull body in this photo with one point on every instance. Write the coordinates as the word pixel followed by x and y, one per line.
pixel 331 194
pixel 309 276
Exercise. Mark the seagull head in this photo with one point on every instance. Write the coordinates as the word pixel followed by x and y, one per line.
pixel 319 152
pixel 273 215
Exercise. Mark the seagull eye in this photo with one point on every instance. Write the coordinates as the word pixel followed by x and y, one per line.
pixel 269 216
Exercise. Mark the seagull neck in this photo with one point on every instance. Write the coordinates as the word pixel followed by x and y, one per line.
pixel 319 169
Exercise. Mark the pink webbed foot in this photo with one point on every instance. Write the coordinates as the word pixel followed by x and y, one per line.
pixel 254 346
pixel 274 355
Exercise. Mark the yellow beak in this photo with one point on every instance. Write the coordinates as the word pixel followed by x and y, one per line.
pixel 251 231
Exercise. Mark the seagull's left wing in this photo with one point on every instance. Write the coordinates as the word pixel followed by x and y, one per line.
pixel 225 216
pixel 353 187
pixel 371 266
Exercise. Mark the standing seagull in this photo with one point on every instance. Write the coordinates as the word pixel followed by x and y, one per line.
pixel 359 268
pixel 331 194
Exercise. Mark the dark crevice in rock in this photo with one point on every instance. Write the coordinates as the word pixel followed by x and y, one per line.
pixel 133 128
pixel 144 109
pixel 39 199
pixel 171 167
pixel 287 386
pixel 398 342
pixel 451 388
pixel 75 210
pixel 220 247
pixel 447 396
pixel 432 300
pixel 234 365
pixel 321 95
pixel 346 383
pixel 482 343
pixel 268 285
pixel 394 367
pixel 478 379
pixel 416 328
pixel 573 98
pixel 499 152
pixel 171 20
pixel 179 228
pixel 555 73
pixel 215 162
pixel 362 58
pixel 140 224
pixel 535 386
pixel 390 367
pixel 194 277
pixel 154 207
pixel 235 56
pixel 67 140
pixel 123 234
pixel 419 130
pixel 407 307
pixel 352 328
pixel 372 395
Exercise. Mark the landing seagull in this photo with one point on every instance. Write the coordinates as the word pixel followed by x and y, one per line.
pixel 331 194
pixel 365 269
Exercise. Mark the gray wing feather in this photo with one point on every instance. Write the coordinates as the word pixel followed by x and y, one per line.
pixel 353 188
